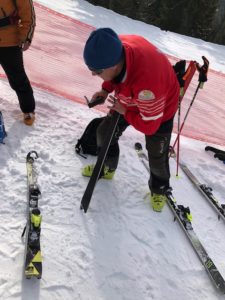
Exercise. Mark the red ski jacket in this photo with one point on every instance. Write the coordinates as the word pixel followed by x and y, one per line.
pixel 149 89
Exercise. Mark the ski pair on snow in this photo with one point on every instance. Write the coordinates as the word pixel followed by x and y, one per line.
pixel 206 191
pixel 183 215
pixel 33 259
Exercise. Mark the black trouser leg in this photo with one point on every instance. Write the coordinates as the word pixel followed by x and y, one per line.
pixel 112 157
pixel 11 59
pixel 157 146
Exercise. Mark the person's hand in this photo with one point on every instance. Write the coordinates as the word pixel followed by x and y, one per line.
pixel 98 98
pixel 102 93
pixel 116 105
pixel 25 46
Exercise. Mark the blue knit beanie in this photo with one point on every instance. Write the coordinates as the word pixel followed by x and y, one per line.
pixel 103 49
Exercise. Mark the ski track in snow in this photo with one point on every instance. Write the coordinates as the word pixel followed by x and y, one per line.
pixel 120 249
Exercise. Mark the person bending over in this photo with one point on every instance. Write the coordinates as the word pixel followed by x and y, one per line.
pixel 145 93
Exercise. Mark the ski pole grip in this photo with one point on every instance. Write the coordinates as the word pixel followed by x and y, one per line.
pixel 203 70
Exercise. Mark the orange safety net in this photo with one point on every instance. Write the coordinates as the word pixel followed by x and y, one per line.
pixel 55 63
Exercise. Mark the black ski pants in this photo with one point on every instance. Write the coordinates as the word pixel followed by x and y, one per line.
pixel 157 146
pixel 11 60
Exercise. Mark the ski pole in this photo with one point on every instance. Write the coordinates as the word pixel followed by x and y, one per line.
pixel 186 115
pixel 184 82
pixel 203 70
pixel 178 136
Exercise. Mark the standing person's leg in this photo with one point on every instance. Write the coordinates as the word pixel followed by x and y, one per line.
pixel 158 153
pixel 11 59
pixel 157 146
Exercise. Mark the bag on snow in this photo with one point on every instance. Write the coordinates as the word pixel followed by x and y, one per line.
pixel 2 129
pixel 87 144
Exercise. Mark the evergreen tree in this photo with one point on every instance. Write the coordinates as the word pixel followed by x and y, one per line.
pixel 203 19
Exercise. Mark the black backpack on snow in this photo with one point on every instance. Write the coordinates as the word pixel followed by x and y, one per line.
pixel 87 144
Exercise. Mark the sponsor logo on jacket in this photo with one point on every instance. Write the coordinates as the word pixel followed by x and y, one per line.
pixel 146 95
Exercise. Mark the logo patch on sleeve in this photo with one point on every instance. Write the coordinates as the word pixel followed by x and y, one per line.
pixel 146 95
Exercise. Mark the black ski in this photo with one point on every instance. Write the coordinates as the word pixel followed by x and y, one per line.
pixel 220 154
pixel 206 192
pixel 99 164
pixel 33 259
pixel 183 215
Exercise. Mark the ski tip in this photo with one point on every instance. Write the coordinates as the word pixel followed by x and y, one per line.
pixel 32 155
pixel 138 146
pixel 82 208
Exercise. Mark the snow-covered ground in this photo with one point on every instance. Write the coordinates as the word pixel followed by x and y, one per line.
pixel 120 249
pixel 170 43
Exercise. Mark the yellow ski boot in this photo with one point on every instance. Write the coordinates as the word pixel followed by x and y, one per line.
pixel 107 174
pixel 157 201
